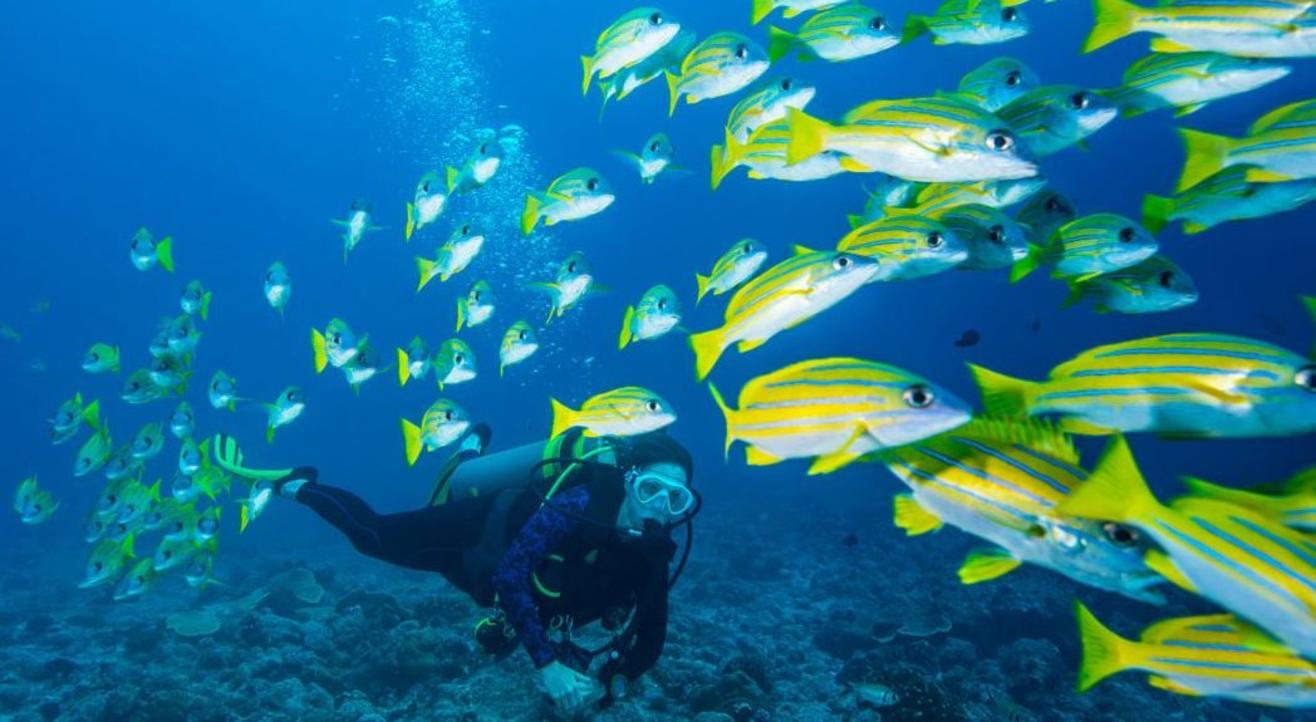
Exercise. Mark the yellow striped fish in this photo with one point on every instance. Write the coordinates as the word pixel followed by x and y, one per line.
pixel 782 297
pixel 766 104
pixel 920 139
pixel 1242 560
pixel 1001 480
pixel 721 64
pixel 844 32
pixel 625 411
pixel 836 410
pixel 791 8
pixel 732 268
pixel 906 246
pixel 1086 247
pixel 628 41
pixel 1243 28
pixel 1295 509
pixel 1286 152
pixel 993 239
pixel 1186 384
pixel 1216 655
pixel 764 153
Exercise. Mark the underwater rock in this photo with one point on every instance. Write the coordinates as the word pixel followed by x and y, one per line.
pixel 196 623
pixel 728 693
pixel 753 665
pixel 843 642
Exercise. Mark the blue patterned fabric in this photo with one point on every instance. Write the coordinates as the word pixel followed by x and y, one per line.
pixel 544 532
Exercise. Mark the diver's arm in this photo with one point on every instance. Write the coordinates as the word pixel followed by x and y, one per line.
pixel 544 532
pixel 650 621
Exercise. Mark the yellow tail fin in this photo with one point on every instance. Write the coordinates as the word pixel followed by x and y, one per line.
pixel 1104 652
pixel 164 253
pixel 461 314
pixel 673 90
pixel 425 267
pixel 563 418
pixel 1207 155
pixel 453 176
pixel 780 43
pixel 1114 20
pixel 244 517
pixel 708 347
pixel 1156 212
pixel 701 283
pixel 411 222
pixel 727 415
pixel 530 215
pixel 1003 395
pixel 588 64
pixel 317 346
pixel 808 135
pixel 411 441
pixel 404 368
pixel 759 10
pixel 625 339
pixel 1115 491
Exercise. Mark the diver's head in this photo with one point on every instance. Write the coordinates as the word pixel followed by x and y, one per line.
pixel 658 475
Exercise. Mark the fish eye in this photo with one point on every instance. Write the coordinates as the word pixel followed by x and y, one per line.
pixel 484 148
pixel 935 239
pixel 662 304
pixel 1166 278
pixel 466 230
pixel 786 84
pixel 1080 100
pixel 877 24
pixel 447 415
pixel 94 356
pixel 653 405
pixel 1306 378
pixel 841 262
pixel 654 146
pixel 571 267
pixel 1000 140
pixel 592 184
pixel 656 19
pixel 1009 15
pixel 1013 78
pixel 475 295
pixel 742 51
pixel 97 566
pixel 1121 535
pixel 1126 234
pixel 335 338
pixel 1054 205
pixel 996 234
pixel 521 335
pixel 459 358
pixel 918 396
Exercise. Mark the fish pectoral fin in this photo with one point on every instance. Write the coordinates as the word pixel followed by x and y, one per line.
pixel 986 564
pixel 912 517
pixel 1165 45
pixel 754 456
pixel 828 463
pixel 1171 686
pixel 1160 562
pixel 750 345
pixel 934 149
pixel 1073 425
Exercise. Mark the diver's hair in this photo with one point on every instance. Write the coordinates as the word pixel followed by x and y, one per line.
pixel 653 448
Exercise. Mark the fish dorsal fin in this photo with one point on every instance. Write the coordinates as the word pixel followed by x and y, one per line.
pixel 1264 123
pixel 1034 434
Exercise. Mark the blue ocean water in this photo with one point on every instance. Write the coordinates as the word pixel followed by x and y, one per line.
pixel 242 128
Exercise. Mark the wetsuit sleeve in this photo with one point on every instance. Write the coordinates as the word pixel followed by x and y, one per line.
pixel 650 616
pixel 546 530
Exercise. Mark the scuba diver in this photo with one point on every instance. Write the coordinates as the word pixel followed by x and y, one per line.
pixel 552 536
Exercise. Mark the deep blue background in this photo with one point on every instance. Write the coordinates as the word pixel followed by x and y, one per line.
pixel 241 128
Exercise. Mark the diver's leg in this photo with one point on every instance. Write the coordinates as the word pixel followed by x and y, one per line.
pixel 429 539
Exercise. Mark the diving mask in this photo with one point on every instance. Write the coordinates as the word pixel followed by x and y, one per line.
pixel 652 489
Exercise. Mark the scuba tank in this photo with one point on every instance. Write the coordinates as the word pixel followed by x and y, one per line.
pixel 467 475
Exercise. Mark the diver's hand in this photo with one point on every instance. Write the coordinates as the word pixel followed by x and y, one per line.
pixel 570 690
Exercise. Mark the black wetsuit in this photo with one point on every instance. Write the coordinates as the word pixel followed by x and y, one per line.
pixel 540 563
